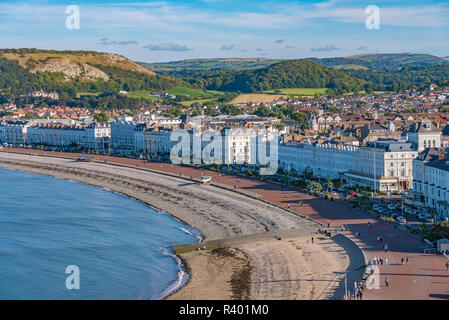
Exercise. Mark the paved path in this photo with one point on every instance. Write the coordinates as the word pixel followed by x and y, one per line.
pixel 425 277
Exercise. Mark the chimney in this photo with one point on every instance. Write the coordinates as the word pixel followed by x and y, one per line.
pixel 441 155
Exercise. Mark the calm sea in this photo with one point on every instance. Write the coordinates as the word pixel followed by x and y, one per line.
pixel 121 246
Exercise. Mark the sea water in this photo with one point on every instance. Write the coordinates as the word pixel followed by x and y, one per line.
pixel 121 247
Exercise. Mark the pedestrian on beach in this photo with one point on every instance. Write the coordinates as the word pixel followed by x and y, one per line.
pixel 386 282
pixel 312 239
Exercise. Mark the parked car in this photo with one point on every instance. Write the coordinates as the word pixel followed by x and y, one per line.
pixel 391 206
pixel 401 219
pixel 422 216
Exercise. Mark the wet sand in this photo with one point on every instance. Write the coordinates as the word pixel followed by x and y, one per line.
pixel 287 269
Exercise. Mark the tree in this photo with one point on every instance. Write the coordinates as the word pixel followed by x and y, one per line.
pixel 101 117
pixel 209 111
pixel 176 112
pixel 439 230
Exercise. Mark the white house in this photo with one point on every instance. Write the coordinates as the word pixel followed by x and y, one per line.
pixel 387 166
pixel 14 132
pixel 97 136
pixel 431 181
pixel 424 135
pixel 123 136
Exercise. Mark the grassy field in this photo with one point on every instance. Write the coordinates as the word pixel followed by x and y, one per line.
pixel 200 101
pixel 142 95
pixel 198 96
pixel 215 92
pixel 79 94
pixel 194 93
pixel 300 91
pixel 350 66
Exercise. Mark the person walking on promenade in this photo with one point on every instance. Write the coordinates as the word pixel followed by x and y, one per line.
pixel 386 282
pixel 386 247
pixel 312 239
pixel 386 261
pixel 360 294
pixel 402 261
pixel 381 239
pixel 406 260
pixel 378 239
pixel 447 266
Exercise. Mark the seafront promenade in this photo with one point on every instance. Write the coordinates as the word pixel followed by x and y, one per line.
pixel 424 277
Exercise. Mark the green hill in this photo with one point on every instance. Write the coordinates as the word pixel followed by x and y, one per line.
pixel 99 76
pixel 208 64
pixel 284 74
pixel 414 77
pixel 380 62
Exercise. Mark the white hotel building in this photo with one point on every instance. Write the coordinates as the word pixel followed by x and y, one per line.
pixel 324 161
pixel 387 166
pixel 14 132
pixel 123 137
pixel 431 181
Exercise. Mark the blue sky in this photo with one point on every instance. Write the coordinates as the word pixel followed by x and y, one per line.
pixel 180 29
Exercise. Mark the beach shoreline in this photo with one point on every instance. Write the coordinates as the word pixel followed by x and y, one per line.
pixel 216 215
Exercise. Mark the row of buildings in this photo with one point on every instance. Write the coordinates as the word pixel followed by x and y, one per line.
pixel 64 133
pixel 417 161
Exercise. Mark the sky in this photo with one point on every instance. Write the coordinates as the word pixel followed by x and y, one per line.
pixel 159 31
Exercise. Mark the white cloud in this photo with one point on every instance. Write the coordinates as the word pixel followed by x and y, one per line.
pixel 167 47
pixel 227 47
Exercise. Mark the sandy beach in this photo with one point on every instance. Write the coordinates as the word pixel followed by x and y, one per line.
pixel 257 268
